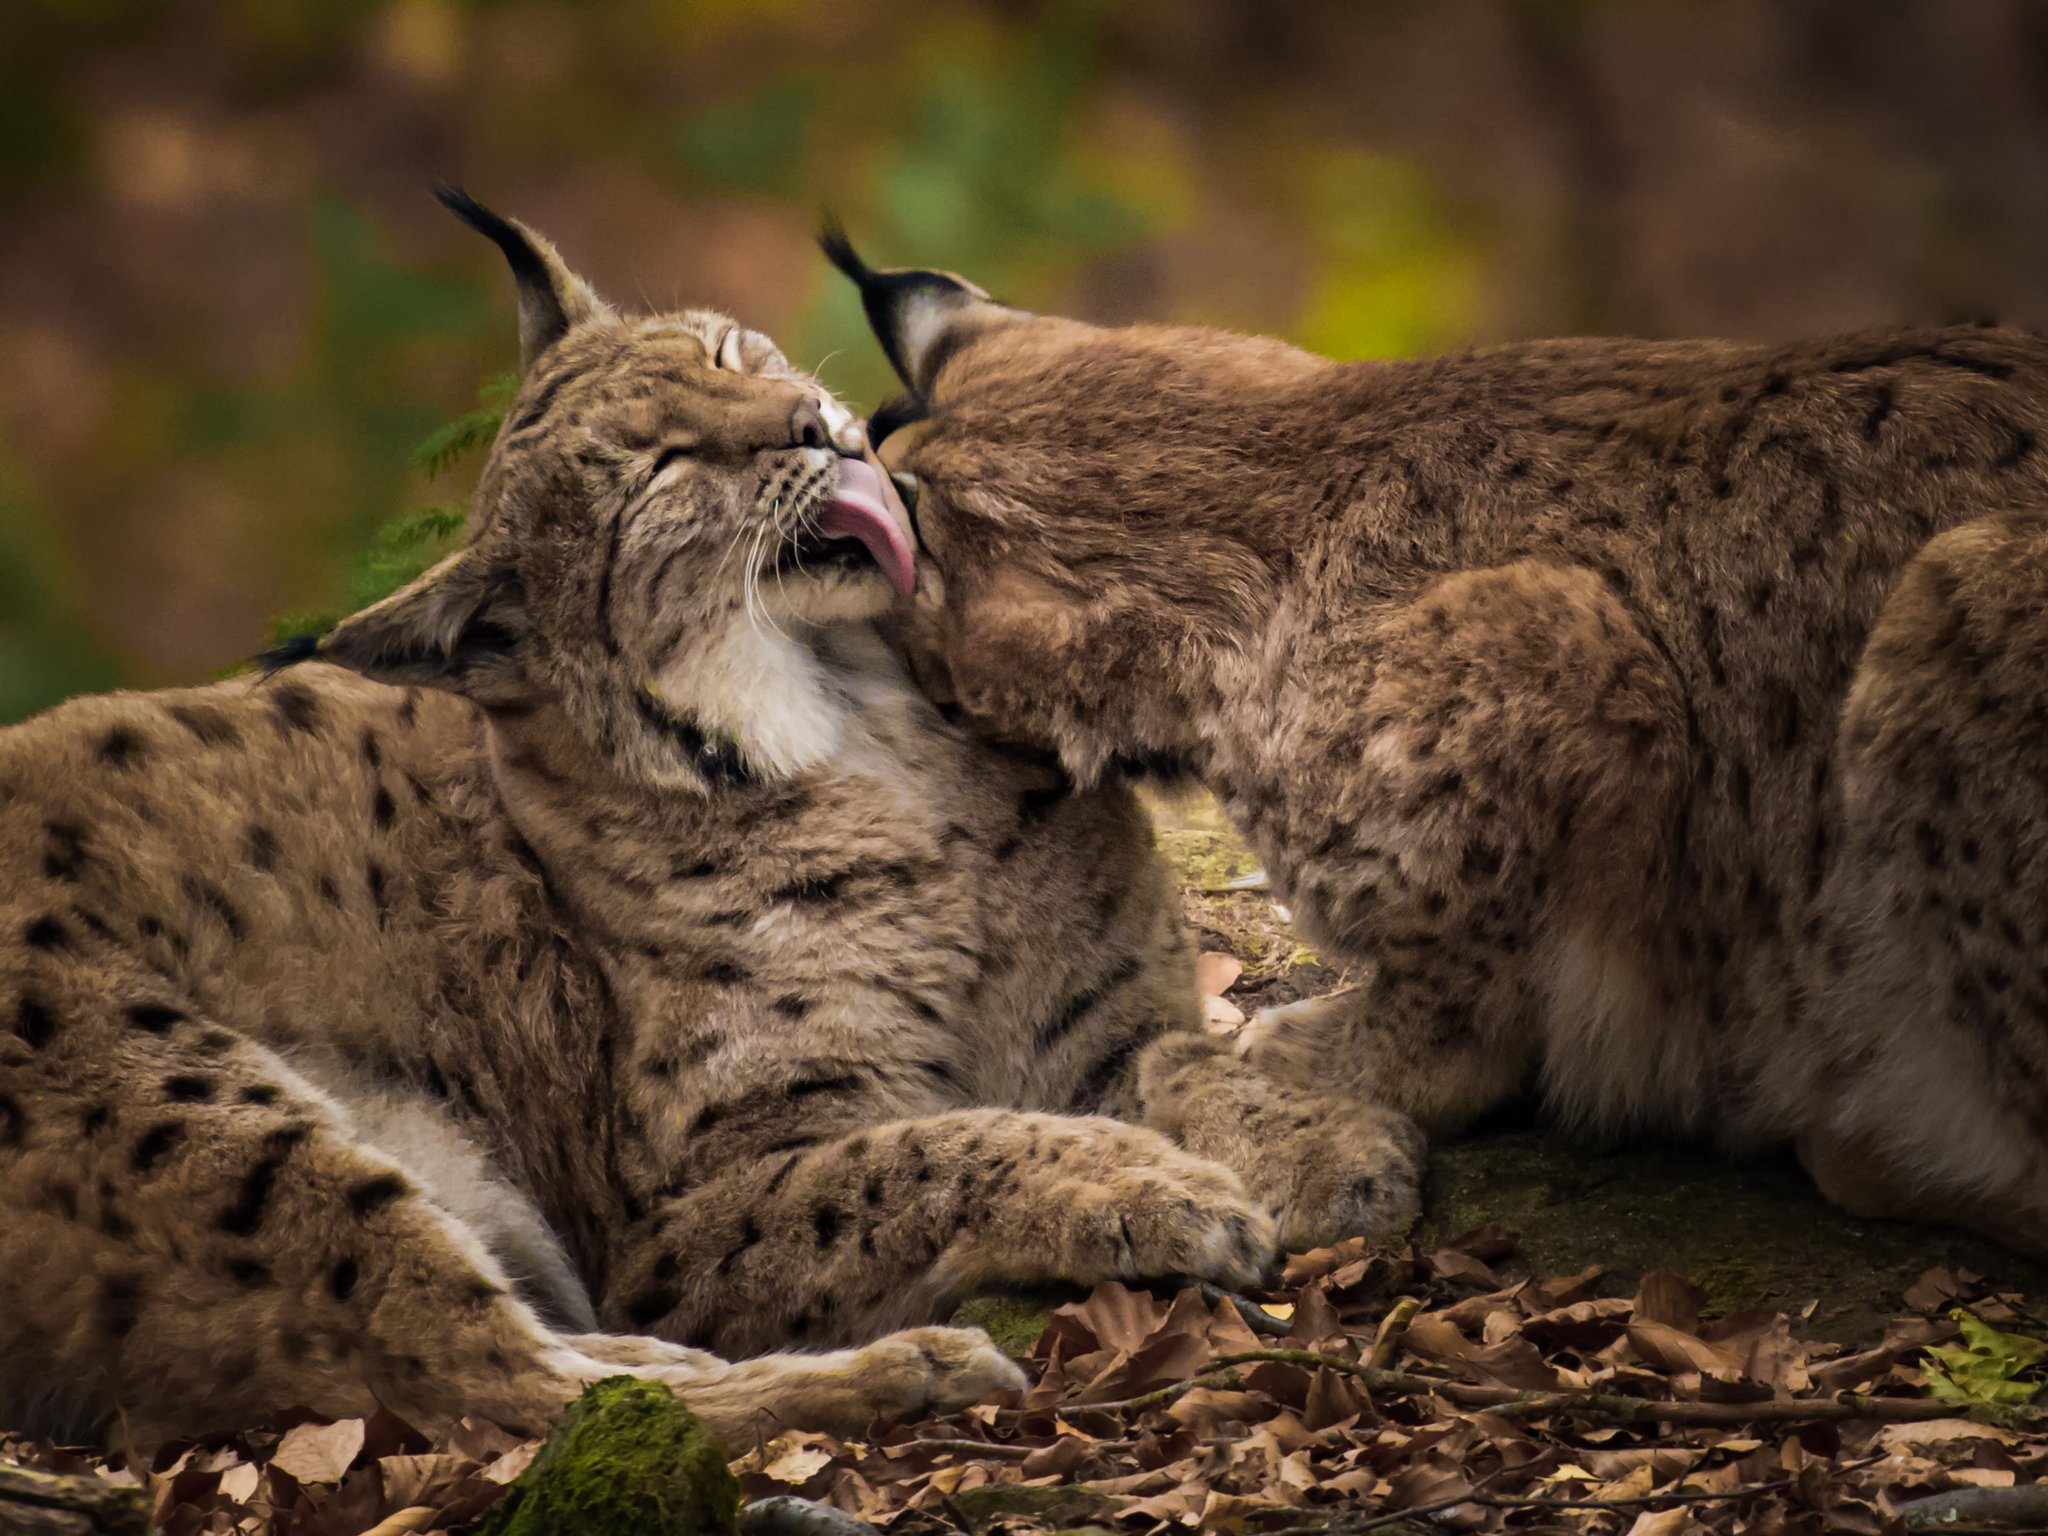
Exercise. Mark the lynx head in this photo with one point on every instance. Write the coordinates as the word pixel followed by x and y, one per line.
pixel 1107 510
pixel 669 511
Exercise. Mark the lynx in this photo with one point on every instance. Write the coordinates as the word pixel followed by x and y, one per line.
pixel 1662 722
pixel 602 933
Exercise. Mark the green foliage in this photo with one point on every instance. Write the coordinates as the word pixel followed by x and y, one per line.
pixel 1984 1368
pixel 446 445
pixel 1396 277
pixel 754 143
pixel 626 1460
pixel 47 648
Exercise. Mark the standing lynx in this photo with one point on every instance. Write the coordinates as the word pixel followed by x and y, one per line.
pixel 630 945
pixel 1667 722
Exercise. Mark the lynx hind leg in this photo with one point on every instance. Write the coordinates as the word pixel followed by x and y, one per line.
pixel 189 1234
pixel 1326 1165
pixel 1921 1081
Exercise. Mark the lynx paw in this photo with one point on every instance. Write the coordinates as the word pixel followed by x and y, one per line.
pixel 1120 1204
pixel 1354 1170
pixel 906 1376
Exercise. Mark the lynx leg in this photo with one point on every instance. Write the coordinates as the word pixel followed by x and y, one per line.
pixel 893 1225
pixel 1927 1009
pixel 1521 750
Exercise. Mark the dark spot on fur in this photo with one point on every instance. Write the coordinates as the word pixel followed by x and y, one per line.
pixel 383 809
pixel 34 1023
pixel 153 1017
pixel 804 1087
pixel 295 708
pixel 825 1222
pixel 95 1119
pixel 724 973
pixel 409 708
pixel 204 893
pixel 13 1122
pixel 1081 1004
pixel 121 747
pixel 790 1006
pixel 651 1306
pixel 737 918
pixel 212 726
pixel 750 1234
pixel 373 1195
pixel 374 875
pixel 64 855
pixel 243 1217
pixel 249 1272
pixel 783 1172
pixel 693 869
pixel 940 1071
pixel 263 850
pixel 151 1146
pixel 341 1280
pixel 326 888
pixel 260 1093
pixel 120 1303
pixel 188 1090
pixel 372 753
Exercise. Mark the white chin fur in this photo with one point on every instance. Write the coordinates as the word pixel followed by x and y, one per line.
pixel 840 597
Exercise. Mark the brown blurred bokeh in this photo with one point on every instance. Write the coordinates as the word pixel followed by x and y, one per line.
pixel 229 308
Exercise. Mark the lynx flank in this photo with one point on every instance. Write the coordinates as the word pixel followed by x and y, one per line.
pixel 1665 722
pixel 629 946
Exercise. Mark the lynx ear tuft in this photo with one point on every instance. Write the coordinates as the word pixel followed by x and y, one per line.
pixel 458 627
pixel 552 299
pixel 920 317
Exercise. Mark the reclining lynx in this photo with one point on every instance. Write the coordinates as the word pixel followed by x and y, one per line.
pixel 1667 721
pixel 628 944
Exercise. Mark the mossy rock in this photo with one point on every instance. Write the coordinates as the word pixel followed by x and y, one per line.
pixel 1054 1506
pixel 626 1460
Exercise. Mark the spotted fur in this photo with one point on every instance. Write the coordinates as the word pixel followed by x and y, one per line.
pixel 1660 722
pixel 621 942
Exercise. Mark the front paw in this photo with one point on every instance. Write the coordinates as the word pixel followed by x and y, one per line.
pixel 1353 1170
pixel 1120 1204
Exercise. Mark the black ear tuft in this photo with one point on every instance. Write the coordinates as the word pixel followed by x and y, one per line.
pixel 551 297
pixel 893 415
pixel 288 653
pixel 529 267
pixel 907 307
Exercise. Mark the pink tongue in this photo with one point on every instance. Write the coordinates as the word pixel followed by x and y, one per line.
pixel 866 507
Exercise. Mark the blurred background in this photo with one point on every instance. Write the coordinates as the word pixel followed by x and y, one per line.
pixel 230 311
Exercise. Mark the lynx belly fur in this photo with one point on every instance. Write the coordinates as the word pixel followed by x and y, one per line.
pixel 601 933
pixel 1666 723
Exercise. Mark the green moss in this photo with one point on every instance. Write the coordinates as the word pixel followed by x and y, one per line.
pixel 1014 1322
pixel 626 1460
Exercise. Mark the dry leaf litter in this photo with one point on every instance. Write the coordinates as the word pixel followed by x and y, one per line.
pixel 1412 1388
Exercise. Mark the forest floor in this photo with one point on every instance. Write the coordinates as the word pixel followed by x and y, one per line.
pixel 1616 1340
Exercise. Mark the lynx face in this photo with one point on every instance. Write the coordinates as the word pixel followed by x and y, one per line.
pixel 736 505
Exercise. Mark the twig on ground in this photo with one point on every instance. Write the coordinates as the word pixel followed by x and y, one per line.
pixel 1605 1407
pixel 2027 1502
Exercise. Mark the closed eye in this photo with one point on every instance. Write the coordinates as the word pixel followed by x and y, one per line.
pixel 668 456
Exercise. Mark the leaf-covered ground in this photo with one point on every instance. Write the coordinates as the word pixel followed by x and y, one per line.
pixel 1410 1390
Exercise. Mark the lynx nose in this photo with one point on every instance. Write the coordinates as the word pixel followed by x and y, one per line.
pixel 807 426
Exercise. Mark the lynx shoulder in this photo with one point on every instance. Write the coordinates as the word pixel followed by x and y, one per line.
pixel 601 934
pixel 1665 722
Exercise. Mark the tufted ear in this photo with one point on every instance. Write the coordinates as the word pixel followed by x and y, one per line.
pixel 551 297
pixel 920 317
pixel 457 627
